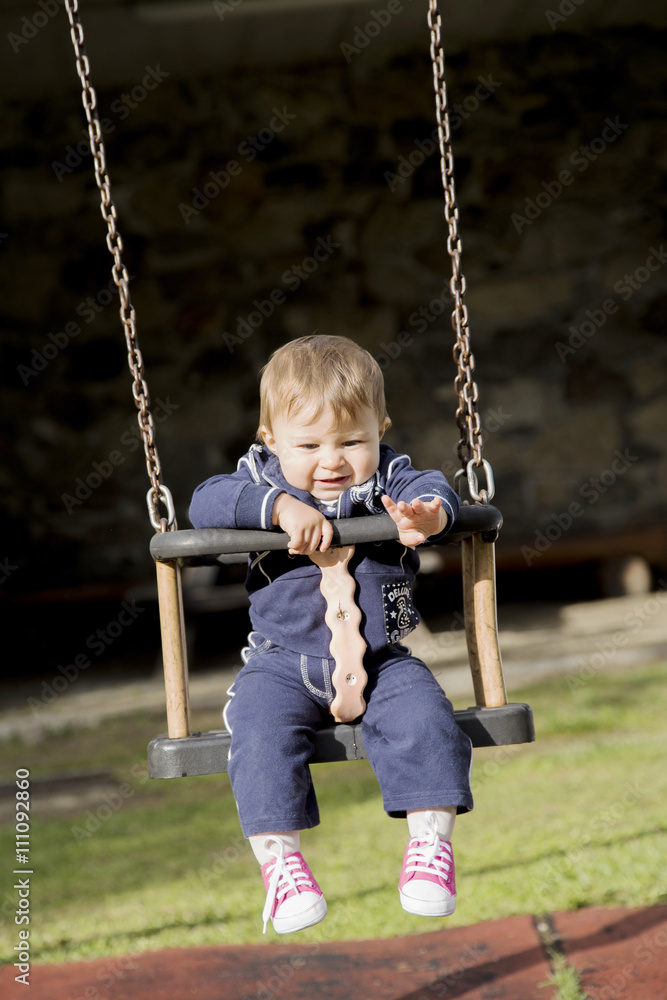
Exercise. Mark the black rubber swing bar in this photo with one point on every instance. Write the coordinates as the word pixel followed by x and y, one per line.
pixel 492 721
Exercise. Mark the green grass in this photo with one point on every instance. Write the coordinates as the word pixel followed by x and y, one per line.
pixel 576 819
pixel 565 979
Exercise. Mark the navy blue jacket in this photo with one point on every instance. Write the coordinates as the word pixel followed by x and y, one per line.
pixel 286 604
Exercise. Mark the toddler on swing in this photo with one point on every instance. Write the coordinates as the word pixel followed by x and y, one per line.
pixel 325 620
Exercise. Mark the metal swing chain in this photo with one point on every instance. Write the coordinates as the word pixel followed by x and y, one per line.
pixel 158 493
pixel 470 443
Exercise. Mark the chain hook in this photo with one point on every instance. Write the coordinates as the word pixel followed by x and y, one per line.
pixel 163 496
pixel 483 496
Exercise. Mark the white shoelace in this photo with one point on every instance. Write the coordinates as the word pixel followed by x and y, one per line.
pixel 287 873
pixel 425 854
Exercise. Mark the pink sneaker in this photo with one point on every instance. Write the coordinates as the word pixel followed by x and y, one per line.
pixel 427 885
pixel 294 900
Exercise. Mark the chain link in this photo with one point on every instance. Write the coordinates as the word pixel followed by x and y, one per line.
pixel 470 443
pixel 157 492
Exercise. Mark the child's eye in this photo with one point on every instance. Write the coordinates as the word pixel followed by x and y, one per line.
pixel 349 444
pixel 307 447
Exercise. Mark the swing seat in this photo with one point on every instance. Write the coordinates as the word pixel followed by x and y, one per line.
pixel 207 753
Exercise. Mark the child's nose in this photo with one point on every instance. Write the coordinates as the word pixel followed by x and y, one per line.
pixel 333 458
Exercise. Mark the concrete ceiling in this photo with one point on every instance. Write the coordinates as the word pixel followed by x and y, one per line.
pixel 182 36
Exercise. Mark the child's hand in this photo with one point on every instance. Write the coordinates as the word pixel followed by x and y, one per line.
pixel 416 520
pixel 307 528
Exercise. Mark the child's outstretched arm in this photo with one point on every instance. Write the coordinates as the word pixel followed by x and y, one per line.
pixel 417 520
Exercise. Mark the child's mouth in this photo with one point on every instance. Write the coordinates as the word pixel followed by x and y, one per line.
pixel 340 481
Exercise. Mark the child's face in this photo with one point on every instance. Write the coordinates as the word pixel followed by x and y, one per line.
pixel 322 457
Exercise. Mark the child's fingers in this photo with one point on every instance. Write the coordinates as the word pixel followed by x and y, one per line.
pixel 307 538
pixel 397 510
pixel 424 506
pixel 327 536
pixel 315 536
pixel 296 543
pixel 300 543
pixel 392 509
pixel 411 537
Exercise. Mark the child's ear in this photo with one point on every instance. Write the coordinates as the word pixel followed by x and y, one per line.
pixel 267 437
pixel 384 426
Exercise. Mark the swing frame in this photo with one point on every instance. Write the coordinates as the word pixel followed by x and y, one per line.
pixel 492 721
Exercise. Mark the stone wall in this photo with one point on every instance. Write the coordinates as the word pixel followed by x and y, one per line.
pixel 261 206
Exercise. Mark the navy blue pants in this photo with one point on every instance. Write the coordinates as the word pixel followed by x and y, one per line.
pixel 280 699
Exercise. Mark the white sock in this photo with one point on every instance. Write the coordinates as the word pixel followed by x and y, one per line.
pixel 418 825
pixel 291 840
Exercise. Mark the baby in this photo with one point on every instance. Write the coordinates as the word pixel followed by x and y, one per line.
pixel 322 418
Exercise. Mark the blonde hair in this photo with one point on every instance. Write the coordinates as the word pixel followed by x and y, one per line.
pixel 318 371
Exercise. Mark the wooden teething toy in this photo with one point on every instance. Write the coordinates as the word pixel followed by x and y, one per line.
pixel 343 619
